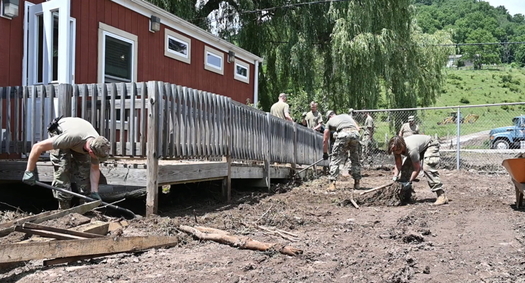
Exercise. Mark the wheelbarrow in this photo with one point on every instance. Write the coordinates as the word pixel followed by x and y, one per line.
pixel 516 169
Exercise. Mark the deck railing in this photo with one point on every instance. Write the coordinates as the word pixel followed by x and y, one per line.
pixel 189 123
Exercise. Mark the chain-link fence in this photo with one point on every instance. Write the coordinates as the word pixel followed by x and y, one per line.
pixel 486 134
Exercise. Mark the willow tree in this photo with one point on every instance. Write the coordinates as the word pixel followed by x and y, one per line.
pixel 354 53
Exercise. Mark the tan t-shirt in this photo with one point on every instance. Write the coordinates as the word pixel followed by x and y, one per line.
pixel 279 108
pixel 339 122
pixel 416 144
pixel 313 119
pixel 407 130
pixel 75 132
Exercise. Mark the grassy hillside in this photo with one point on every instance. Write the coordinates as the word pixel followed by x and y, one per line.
pixel 464 88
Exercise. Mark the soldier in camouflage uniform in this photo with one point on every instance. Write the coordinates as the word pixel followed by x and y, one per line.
pixel 347 140
pixel 76 151
pixel 367 140
pixel 423 151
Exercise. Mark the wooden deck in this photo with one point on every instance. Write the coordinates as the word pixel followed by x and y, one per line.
pixel 133 173
pixel 160 134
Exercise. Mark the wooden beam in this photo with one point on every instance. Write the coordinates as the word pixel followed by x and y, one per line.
pixel 152 187
pixel 8 227
pixel 53 232
pixel 88 247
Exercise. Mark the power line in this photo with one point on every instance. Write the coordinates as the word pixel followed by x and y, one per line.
pixel 275 8
pixel 289 6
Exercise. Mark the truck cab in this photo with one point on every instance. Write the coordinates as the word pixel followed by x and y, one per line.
pixel 509 136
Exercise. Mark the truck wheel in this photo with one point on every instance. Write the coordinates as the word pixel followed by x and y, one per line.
pixel 501 144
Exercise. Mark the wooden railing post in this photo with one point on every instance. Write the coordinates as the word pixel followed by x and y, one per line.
pixel 227 181
pixel 65 91
pixel 295 148
pixel 151 151
pixel 268 142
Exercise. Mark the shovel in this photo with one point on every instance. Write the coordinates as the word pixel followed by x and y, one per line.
pixel 127 211
pixel 307 167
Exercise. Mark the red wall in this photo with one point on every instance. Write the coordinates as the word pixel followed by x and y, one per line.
pixel 152 64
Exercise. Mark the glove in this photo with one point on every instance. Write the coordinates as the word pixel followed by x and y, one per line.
pixel 325 156
pixel 395 178
pixel 29 178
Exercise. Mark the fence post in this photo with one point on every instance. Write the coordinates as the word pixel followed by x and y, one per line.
pixel 267 152
pixel 151 151
pixel 458 137
pixel 64 100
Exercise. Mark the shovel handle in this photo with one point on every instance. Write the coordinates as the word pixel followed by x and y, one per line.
pixel 86 198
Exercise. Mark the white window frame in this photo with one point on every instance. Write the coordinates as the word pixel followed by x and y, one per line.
pixel 237 76
pixel 106 30
pixel 213 52
pixel 169 34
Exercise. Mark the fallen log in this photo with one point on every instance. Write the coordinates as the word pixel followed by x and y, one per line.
pixel 87 248
pixel 224 237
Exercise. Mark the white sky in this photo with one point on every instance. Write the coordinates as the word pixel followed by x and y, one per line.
pixel 512 6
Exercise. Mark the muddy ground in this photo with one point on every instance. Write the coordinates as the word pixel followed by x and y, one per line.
pixel 477 237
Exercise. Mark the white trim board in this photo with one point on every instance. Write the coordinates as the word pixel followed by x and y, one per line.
pixel 147 9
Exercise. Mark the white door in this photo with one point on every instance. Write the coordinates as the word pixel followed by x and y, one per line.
pixel 49 43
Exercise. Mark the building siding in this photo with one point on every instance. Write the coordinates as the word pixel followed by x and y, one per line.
pixel 151 65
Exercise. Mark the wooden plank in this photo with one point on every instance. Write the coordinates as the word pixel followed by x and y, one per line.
pixel 8 227
pixel 64 100
pixel 82 234
pixel 113 120
pixel 74 248
pixel 103 120
pixel 152 154
pixel 24 130
pixel 18 115
pixel 123 93
pixel 143 116
pixel 132 120
pixel 97 227
pixel 186 172
pixel 45 232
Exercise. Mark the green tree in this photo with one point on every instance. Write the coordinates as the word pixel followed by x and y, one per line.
pixel 481 54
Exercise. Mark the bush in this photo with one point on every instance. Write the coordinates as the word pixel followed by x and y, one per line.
pixel 464 100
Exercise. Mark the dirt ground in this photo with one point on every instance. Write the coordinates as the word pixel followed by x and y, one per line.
pixel 477 237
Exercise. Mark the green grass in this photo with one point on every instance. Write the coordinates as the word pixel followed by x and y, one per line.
pixel 469 87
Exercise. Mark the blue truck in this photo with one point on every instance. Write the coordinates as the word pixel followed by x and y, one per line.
pixel 510 136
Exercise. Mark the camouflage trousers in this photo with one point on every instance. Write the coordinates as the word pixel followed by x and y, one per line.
pixel 430 161
pixel 346 146
pixel 367 144
pixel 70 167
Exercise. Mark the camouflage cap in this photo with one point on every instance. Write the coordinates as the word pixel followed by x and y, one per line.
pixel 100 147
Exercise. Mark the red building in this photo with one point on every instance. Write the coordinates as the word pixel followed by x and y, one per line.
pixel 97 41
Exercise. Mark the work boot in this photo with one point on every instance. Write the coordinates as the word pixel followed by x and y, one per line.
pixel 441 198
pixel 356 184
pixel 64 204
pixel 332 187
